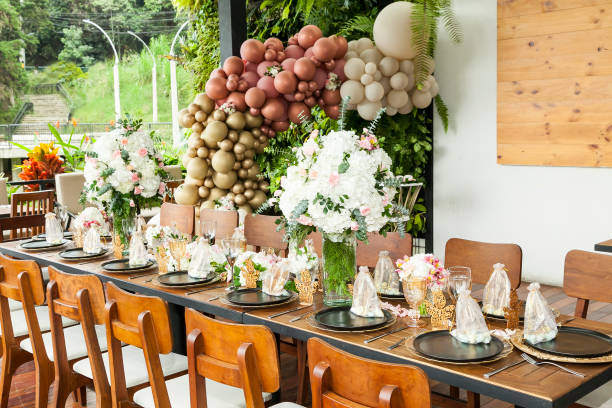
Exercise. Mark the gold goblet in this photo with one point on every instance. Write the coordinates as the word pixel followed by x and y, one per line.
pixel 415 290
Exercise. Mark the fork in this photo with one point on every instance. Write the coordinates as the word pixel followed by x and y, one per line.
pixel 530 360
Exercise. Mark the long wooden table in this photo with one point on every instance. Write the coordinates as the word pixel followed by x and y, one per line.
pixel 523 385
pixel 604 246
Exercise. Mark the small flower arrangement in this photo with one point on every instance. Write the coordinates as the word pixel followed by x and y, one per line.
pixel 43 162
pixel 422 266
pixel 261 262
pixel 92 215
pixel 155 235
pixel 225 204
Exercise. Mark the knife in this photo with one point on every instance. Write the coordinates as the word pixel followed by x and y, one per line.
pixel 499 370
pixel 385 334
pixel 287 311
pixel 399 343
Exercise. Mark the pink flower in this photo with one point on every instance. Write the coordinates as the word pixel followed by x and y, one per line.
pixel 129 167
pixel 314 133
pixel 354 226
pixel 308 149
pixel 132 203
pixel 142 152
pixel 334 178
pixel 278 193
pixel 302 172
pixel 162 188
pixel 313 174
pixel 116 154
pixel 135 177
pixel 385 200
pixel 304 220
pixel 124 141
pixel 137 190
pixel 365 211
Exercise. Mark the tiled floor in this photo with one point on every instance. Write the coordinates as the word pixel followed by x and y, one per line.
pixel 22 388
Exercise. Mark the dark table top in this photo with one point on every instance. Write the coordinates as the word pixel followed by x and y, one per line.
pixel 604 246
pixel 522 385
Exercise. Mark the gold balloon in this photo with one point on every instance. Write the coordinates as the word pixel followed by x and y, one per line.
pixel 225 180
pixel 208 182
pixel 223 161
pixel 219 115
pixel 249 154
pixel 197 168
pixel 191 152
pixel 256 132
pixel 242 173
pixel 226 145
pixel 191 180
pixel 258 200
pixel 238 188
pixel 194 141
pixel 239 148
pixel 202 152
pixel 236 121
pixel 203 192
pixel 253 121
pixel 233 135
pixel 186 194
pixel 216 193
pixel 249 194
pixel 214 132
pixel 246 208
pixel 247 163
pixel 240 199
pixel 253 171
pixel 201 116
pixel 237 165
pixel 208 204
pixel 249 184
pixel 205 102
pixel 246 138
pixel 185 159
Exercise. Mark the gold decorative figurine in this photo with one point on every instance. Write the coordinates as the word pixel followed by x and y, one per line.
pixel 512 313
pixel 306 287
pixel 118 246
pixel 251 275
pixel 162 260
pixel 441 313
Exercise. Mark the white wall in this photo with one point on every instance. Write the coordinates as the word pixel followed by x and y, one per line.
pixel 546 210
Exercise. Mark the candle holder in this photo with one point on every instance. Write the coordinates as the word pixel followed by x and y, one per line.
pixel 441 313
pixel 162 259
pixel 118 246
pixel 306 287
pixel 78 236
pixel 251 275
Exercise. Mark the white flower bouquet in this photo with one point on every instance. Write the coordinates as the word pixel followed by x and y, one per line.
pixel 89 215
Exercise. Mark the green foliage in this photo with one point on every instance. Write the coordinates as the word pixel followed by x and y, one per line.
pixel 339 265
pixel 359 26
pixel 442 110
pixel 74 156
pixel 75 50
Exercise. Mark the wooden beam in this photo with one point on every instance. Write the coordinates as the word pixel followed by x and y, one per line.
pixel 232 27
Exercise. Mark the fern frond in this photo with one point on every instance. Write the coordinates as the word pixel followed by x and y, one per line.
pixel 442 111
pixel 342 120
pixel 423 22
pixel 450 23
pixel 362 25
pixel 374 123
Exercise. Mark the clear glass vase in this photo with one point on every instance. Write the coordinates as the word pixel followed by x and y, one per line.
pixel 339 266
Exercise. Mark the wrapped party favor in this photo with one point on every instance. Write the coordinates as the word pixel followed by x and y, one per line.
pixel 91 242
pixel 471 325
pixel 274 280
pixel 497 292
pixel 365 298
pixel 54 232
pixel 199 266
pixel 540 323
pixel 386 279
pixel 138 251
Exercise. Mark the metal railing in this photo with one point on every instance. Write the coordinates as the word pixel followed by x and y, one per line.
pixel 25 108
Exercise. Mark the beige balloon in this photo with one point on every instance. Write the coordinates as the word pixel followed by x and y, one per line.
pixel 399 80
pixel 366 79
pixel 374 91
pixel 406 109
pixel 397 98
pixel 421 99
pixel 223 161
pixel 350 55
pixel 197 168
pixel 406 66
pixel 225 180
pixel 363 44
pixel 371 55
pixel 391 111
pixel 370 68
pixel 186 194
pixel 354 68
pixel 353 90
pixel 393 31
pixel 388 66
pixel 368 110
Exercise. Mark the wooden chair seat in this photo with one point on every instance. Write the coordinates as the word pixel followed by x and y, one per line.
pixel 75 342
pixel 20 327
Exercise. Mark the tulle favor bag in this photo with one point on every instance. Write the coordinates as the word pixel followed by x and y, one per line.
pixel 91 242
pixel 138 252
pixel 365 298
pixel 386 278
pixel 199 266
pixel 540 323
pixel 471 325
pixel 54 233
pixel 275 279
pixel 497 292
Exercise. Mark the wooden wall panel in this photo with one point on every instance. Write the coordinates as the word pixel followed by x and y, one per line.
pixel 554 75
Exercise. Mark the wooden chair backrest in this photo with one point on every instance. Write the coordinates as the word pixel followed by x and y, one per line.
pixel 140 321
pixel 22 226
pixel 37 202
pixel 398 246
pixel 171 186
pixel 260 231
pixel 481 256
pixel 181 216
pixel 342 380
pixel 238 355
pixel 588 276
pixel 227 221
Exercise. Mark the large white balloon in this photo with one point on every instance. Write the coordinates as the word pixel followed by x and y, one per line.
pixel 421 99
pixel 393 31
pixel 354 68
pixel 374 91
pixel 368 109
pixel 352 89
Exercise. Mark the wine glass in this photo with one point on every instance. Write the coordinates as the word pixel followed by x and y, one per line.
pixel 209 230
pixel 178 249
pixel 415 290
pixel 459 278
pixel 231 249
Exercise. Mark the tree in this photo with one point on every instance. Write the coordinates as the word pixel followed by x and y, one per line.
pixel 36 24
pixel 74 49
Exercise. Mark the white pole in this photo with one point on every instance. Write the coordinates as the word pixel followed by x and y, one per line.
pixel 115 72
pixel 176 136
pixel 153 75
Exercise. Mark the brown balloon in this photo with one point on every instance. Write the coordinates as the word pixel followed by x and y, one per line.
pixel 341 46
pixel 331 97
pixel 237 100
pixel 297 109
pixel 233 65
pixel 252 50
pixel 324 49
pixel 308 35
pixel 255 97
pixel 333 111
pixel 304 68
pixel 279 126
pixel 216 89
pixel 273 109
pixel 274 43
pixel 285 82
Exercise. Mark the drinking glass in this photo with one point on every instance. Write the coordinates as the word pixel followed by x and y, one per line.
pixel 459 278
pixel 178 249
pixel 231 249
pixel 209 230
pixel 415 290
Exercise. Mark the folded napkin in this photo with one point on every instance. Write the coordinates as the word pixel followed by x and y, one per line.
pixel 138 251
pixel 540 324
pixel 471 325
pixel 199 266
pixel 365 298
pixel 91 243
pixel 54 233
pixel 275 278
pixel 497 291
pixel 386 278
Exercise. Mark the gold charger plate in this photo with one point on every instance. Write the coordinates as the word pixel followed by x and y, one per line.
pixel 156 282
pixel 311 321
pixel 517 340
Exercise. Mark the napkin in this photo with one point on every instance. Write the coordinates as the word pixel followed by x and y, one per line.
pixel 199 266
pixel 54 232
pixel 365 298
pixel 138 251
pixel 386 279
pixel 91 243
pixel 540 324
pixel 274 280
pixel 471 325
pixel 497 291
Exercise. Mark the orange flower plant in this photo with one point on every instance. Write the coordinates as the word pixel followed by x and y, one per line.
pixel 43 162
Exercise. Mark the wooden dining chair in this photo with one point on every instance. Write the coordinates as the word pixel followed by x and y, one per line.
pixel 141 322
pixel 481 256
pixel 260 231
pixel 230 365
pixel 227 221
pixel 398 246
pixel 180 216
pixel 342 380
pixel 37 202
pixel 21 227
pixel 588 276
pixel 171 186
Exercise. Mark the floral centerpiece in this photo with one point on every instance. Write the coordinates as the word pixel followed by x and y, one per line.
pixel 260 261
pixel 425 266
pixel 89 215
pixel 341 186
pixel 43 163
pixel 124 173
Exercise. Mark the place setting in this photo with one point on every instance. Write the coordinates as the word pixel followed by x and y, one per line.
pixel 138 258
pixel 53 237
pixel 91 249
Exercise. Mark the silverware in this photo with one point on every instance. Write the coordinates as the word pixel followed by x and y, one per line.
pixel 530 360
pixel 563 323
pixel 214 298
pixel 399 343
pixel 499 370
pixel 202 290
pixel 380 336
pixel 295 319
pixel 142 275
pixel 287 311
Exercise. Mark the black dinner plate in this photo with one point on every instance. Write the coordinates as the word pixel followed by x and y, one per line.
pixel 492 316
pixel 43 236
pixel 36 244
pixel 341 318
pixel 254 297
pixel 123 265
pixel 181 278
pixel 576 342
pixel 440 345
pixel 78 253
